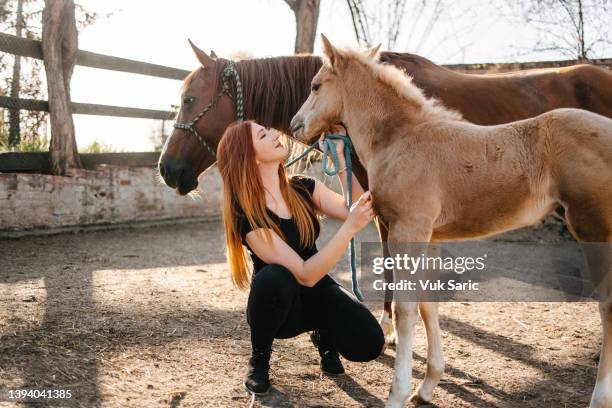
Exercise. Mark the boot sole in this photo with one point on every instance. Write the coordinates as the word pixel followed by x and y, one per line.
pixel 333 374
pixel 257 393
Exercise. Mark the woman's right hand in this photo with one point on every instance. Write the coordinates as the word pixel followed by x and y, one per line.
pixel 361 213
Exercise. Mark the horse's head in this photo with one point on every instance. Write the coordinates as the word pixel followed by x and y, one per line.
pixel 203 115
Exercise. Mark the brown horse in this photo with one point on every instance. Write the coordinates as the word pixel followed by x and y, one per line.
pixel 464 181
pixel 275 88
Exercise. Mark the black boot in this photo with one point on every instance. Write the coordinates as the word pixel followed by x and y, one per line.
pixel 330 359
pixel 257 379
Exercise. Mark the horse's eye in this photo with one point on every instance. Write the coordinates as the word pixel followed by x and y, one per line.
pixel 315 87
pixel 188 99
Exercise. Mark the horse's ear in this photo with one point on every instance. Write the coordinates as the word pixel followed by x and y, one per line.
pixel 373 52
pixel 330 51
pixel 213 54
pixel 204 59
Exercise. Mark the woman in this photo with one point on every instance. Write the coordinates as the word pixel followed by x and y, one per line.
pixel 275 216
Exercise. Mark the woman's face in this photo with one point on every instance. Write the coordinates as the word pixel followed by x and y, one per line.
pixel 267 144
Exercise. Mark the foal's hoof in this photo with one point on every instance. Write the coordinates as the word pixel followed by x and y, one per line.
pixel 417 399
pixel 390 339
pixel 386 324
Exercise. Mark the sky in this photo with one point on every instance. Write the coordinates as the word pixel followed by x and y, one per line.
pixel 157 32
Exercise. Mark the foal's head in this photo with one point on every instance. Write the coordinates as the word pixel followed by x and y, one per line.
pixel 324 105
pixel 186 155
pixel 380 89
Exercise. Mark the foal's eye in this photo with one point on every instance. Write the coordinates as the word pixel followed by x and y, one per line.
pixel 315 87
pixel 188 99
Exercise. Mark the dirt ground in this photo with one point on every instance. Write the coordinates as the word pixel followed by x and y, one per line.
pixel 148 317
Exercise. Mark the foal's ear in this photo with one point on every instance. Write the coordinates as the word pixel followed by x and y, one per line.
pixel 213 54
pixel 373 52
pixel 332 54
pixel 204 59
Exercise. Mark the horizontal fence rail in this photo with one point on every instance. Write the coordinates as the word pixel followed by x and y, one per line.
pixel 24 162
pixel 31 48
pixel 520 66
pixel 87 109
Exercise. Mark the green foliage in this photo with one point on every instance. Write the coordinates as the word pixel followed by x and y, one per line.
pixel 30 143
pixel 97 147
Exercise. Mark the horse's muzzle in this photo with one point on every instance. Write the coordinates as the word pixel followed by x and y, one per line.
pixel 178 174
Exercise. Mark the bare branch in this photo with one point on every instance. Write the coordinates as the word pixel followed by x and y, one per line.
pixel 292 4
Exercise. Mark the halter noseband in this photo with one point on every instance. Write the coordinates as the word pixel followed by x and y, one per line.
pixel 228 72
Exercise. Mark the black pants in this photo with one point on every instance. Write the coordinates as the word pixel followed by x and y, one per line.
pixel 279 307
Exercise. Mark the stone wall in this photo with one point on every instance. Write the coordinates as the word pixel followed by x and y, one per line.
pixel 109 195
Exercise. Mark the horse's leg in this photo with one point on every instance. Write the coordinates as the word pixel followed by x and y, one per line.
pixel 385 320
pixel 405 313
pixel 435 354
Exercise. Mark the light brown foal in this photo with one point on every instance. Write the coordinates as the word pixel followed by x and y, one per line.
pixel 463 181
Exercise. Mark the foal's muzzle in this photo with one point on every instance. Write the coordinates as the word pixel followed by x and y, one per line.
pixel 296 126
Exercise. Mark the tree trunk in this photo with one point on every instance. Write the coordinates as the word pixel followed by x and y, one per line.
pixel 59 46
pixel 14 116
pixel 306 17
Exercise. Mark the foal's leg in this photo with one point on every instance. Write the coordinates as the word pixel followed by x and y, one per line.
pixel 385 319
pixel 589 223
pixel 602 394
pixel 435 354
pixel 404 317
pixel 405 314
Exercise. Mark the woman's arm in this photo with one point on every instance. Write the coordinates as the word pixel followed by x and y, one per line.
pixel 309 272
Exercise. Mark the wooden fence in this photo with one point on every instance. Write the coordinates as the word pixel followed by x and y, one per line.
pixel 32 162
pixel 39 161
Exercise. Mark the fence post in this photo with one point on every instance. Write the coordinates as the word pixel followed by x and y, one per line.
pixel 59 47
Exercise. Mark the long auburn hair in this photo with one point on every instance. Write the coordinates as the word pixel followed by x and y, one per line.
pixel 243 194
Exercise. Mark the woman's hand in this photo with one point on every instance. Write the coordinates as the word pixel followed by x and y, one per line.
pixel 338 130
pixel 361 213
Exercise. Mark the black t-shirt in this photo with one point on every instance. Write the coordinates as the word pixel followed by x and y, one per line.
pixel 304 185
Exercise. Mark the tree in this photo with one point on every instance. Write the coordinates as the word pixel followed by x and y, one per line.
pixel 578 29
pixel 15 83
pixel 28 129
pixel 361 21
pixel 306 18
pixel 59 46
pixel 410 22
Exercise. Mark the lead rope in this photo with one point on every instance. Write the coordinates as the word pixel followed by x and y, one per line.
pixel 330 148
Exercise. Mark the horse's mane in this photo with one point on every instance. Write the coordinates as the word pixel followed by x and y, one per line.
pixel 275 88
pixel 401 83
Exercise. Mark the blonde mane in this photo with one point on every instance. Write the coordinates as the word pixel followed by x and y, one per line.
pixel 401 83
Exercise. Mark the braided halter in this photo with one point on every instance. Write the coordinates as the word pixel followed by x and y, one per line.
pixel 229 72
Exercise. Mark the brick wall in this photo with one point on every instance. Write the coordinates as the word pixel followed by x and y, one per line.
pixel 112 194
